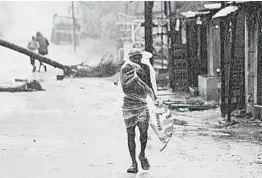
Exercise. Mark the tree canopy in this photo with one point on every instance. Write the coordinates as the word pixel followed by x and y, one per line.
pixel 101 16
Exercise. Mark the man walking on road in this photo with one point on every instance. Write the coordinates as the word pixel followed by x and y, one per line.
pixel 136 86
pixel 43 49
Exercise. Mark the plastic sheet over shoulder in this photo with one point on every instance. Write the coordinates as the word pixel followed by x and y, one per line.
pixel 134 92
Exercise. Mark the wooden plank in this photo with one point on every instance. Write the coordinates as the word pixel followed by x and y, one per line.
pixel 210 49
pixel 125 23
pixel 203 51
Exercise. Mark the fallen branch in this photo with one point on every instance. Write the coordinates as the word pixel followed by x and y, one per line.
pixel 67 70
pixel 106 68
pixel 201 108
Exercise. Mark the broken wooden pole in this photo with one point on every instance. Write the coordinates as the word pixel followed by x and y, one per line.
pixel 67 70
pixel 232 61
pixel 222 64
pixel 171 37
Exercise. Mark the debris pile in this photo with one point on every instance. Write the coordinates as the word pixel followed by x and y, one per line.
pixel 107 67
pixel 190 105
pixel 237 122
pixel 27 86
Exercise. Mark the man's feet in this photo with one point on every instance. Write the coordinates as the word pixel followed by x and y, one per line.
pixel 132 169
pixel 45 68
pixel 144 162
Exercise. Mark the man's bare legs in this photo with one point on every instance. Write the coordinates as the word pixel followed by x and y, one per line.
pixel 41 64
pixel 143 138
pixel 131 134
pixel 143 128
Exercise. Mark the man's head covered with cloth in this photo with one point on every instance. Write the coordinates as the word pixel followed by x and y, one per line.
pixel 135 55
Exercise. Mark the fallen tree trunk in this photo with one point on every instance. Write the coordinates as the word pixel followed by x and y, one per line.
pixel 67 70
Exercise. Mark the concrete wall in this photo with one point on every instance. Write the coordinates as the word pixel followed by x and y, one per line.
pixel 258 112
pixel 207 87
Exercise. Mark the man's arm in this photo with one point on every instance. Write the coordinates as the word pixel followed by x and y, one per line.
pixel 131 84
pixel 126 75
pixel 144 75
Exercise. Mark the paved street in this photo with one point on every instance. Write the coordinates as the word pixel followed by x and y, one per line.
pixel 75 129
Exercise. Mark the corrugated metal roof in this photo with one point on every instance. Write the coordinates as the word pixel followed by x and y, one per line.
pixel 225 11
pixel 238 2
pixel 212 6
pixel 190 14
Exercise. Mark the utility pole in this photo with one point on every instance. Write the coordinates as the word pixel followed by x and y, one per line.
pixel 222 64
pixel 162 40
pixel 74 31
pixel 148 27
pixel 199 68
pixel 232 61
pixel 171 43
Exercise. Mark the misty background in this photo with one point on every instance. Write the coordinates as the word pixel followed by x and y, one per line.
pixel 19 21
pixel 22 19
